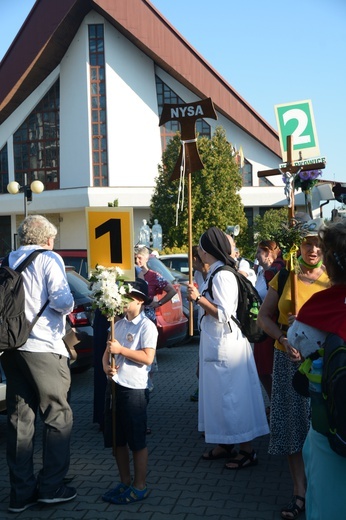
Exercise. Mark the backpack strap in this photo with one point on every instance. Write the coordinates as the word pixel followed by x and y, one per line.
pixel 20 269
pixel 210 281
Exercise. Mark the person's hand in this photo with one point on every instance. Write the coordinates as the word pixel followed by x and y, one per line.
pixel 110 371
pixel 192 292
pixel 114 346
pixel 291 319
pixel 293 353
pixel 154 304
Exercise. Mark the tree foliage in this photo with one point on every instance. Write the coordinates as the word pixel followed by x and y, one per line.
pixel 215 191
pixel 274 225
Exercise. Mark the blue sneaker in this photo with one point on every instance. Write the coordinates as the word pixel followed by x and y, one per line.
pixel 118 490
pixel 130 496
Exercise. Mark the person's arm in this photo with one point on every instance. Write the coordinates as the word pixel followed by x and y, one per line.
pixel 59 292
pixel 144 356
pixel 266 312
pixel 170 292
pixel 202 301
pixel 265 321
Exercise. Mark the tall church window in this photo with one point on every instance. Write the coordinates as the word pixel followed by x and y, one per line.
pixel 98 105
pixel 3 169
pixel 36 143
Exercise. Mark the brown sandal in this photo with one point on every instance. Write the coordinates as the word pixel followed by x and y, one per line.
pixel 292 510
pixel 228 452
pixel 247 460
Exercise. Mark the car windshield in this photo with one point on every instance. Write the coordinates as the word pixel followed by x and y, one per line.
pixel 80 287
pixel 156 265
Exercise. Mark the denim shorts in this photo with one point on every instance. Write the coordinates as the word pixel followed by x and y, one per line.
pixel 131 417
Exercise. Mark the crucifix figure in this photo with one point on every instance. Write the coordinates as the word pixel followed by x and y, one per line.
pixel 291 172
pixel 189 160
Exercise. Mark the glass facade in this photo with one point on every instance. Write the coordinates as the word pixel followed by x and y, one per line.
pixel 36 143
pixel 166 95
pixel 3 169
pixel 98 105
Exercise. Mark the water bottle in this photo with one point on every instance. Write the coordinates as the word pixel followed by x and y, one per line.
pixel 254 311
pixel 319 418
pixel 316 368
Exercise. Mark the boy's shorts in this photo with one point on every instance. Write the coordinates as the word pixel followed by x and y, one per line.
pixel 131 418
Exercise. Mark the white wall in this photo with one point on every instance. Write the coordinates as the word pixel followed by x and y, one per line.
pixel 134 145
pixel 75 160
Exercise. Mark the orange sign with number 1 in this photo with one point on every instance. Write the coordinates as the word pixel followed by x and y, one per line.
pixel 110 238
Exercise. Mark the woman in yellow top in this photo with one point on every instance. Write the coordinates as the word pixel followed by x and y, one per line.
pixel 290 412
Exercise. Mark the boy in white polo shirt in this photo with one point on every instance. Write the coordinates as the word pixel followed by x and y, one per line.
pixel 134 346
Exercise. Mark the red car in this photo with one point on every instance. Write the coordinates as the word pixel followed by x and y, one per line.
pixel 172 324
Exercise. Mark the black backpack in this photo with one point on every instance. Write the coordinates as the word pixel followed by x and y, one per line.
pixel 249 301
pixel 334 391
pixel 14 326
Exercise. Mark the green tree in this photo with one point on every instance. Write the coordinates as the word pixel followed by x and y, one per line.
pixel 215 191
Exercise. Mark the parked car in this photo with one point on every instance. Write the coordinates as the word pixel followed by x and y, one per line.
pixel 171 319
pixel 79 330
pixel 179 262
pixel 176 278
pixel 78 258
pixel 172 322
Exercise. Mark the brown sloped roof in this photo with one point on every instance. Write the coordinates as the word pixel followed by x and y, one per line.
pixel 50 27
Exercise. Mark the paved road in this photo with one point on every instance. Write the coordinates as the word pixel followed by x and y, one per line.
pixel 183 487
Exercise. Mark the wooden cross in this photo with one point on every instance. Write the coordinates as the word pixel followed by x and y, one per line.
pixel 189 160
pixel 292 171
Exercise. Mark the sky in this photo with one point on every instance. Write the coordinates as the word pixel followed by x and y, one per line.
pixel 271 52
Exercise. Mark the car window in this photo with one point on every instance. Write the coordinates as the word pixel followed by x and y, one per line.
pixel 156 265
pixel 80 264
pixel 79 286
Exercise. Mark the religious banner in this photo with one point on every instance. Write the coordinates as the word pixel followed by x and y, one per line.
pixel 187 116
pixel 189 160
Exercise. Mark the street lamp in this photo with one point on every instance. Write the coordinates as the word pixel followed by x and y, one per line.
pixel 35 187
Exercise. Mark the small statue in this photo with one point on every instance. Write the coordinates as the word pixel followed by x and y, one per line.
pixel 157 235
pixel 144 234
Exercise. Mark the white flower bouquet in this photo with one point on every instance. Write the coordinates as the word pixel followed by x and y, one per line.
pixel 108 290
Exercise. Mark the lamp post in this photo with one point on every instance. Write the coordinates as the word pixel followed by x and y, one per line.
pixel 35 187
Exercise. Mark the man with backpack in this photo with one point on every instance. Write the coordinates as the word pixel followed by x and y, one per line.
pixel 321 323
pixel 38 375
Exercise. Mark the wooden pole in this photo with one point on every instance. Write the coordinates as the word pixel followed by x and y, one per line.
pixel 293 276
pixel 189 234
pixel 111 321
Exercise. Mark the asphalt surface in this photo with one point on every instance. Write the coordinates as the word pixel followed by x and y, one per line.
pixel 182 485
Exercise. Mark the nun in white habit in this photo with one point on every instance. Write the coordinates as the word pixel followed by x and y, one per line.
pixel 230 404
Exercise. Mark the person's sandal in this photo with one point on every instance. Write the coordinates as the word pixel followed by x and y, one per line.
pixel 114 492
pixel 247 460
pixel 228 451
pixel 130 496
pixel 292 510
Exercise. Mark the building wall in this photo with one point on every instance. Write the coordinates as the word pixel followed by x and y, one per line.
pixel 134 144
pixel 75 155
